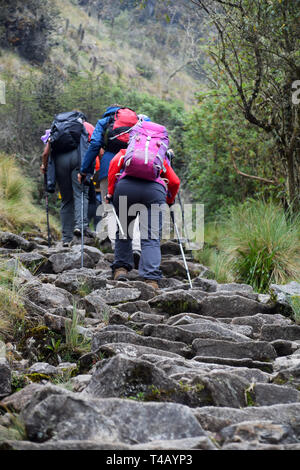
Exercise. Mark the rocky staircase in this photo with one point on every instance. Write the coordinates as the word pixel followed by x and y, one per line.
pixel 212 367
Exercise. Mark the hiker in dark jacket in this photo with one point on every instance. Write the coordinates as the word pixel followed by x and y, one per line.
pixel 66 170
pixel 97 142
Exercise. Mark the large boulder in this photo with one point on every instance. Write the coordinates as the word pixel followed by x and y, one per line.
pixel 55 414
pixel 65 261
pixel 175 302
pixel 47 295
pixel 12 241
pixel 95 305
pixel 79 281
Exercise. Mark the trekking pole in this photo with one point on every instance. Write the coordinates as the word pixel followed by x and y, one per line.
pixel 82 229
pixel 118 222
pixel 183 220
pixel 47 210
pixel 181 249
pixel 171 156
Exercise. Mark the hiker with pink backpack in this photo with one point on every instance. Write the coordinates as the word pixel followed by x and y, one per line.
pixel 142 176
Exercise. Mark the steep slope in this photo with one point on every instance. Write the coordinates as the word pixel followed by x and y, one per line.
pixel 87 40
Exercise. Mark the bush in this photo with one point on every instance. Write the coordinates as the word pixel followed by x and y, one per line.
pixel 17 211
pixel 262 244
pixel 11 306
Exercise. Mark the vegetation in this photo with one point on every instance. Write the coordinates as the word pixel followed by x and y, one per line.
pixel 257 244
pixel 294 302
pixel 17 209
pixel 11 306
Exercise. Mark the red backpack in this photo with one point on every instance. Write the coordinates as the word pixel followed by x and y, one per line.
pixel 118 128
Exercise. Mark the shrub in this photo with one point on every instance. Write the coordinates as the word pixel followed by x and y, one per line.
pixel 262 244
pixel 17 211
pixel 11 307
pixel 294 302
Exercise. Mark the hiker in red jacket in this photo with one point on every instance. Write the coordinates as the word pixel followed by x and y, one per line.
pixel 150 194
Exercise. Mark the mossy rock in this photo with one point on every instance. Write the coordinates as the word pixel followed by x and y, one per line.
pixel 37 378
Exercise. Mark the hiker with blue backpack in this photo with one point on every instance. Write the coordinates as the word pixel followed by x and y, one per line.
pixel 143 175
pixel 111 134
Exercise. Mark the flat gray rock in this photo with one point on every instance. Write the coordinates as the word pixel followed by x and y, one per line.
pixel 133 350
pixel 264 432
pixel 214 419
pixel 47 295
pixel 79 281
pixel 219 306
pixel 273 332
pixel 70 260
pixel 102 338
pixel 175 302
pixel 255 350
pixel 59 415
pixel 269 394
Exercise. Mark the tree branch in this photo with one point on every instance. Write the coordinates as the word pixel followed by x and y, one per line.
pixel 257 178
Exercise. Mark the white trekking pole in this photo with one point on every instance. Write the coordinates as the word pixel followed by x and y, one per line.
pixel 118 222
pixel 82 228
pixel 181 249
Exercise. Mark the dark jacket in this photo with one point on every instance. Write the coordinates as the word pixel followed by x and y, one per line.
pixel 96 143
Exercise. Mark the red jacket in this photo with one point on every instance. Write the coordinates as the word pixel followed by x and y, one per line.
pixel 90 129
pixel 115 167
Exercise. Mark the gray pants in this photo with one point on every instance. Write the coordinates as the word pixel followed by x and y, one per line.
pixel 149 195
pixel 67 168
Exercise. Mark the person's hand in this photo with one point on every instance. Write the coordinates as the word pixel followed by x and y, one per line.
pixel 108 198
pixel 43 169
pixel 170 154
pixel 79 177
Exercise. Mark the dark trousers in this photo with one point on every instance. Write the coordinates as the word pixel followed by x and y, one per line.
pixel 147 198
pixel 66 169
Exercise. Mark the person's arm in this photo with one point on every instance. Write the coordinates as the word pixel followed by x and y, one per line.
pixel 97 141
pixel 45 157
pixel 173 184
pixel 114 168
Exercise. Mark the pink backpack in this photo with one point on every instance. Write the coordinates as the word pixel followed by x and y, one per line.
pixel 146 151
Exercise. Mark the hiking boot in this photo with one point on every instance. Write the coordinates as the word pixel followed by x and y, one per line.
pixel 77 232
pixel 121 274
pixel 152 283
pixel 136 258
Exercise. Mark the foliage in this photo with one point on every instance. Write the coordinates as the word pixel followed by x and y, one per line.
pixel 255 51
pixel 262 244
pixel 294 302
pixel 256 243
pixel 11 306
pixel 17 211
pixel 216 139
pixel 74 340
pixel 27 27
